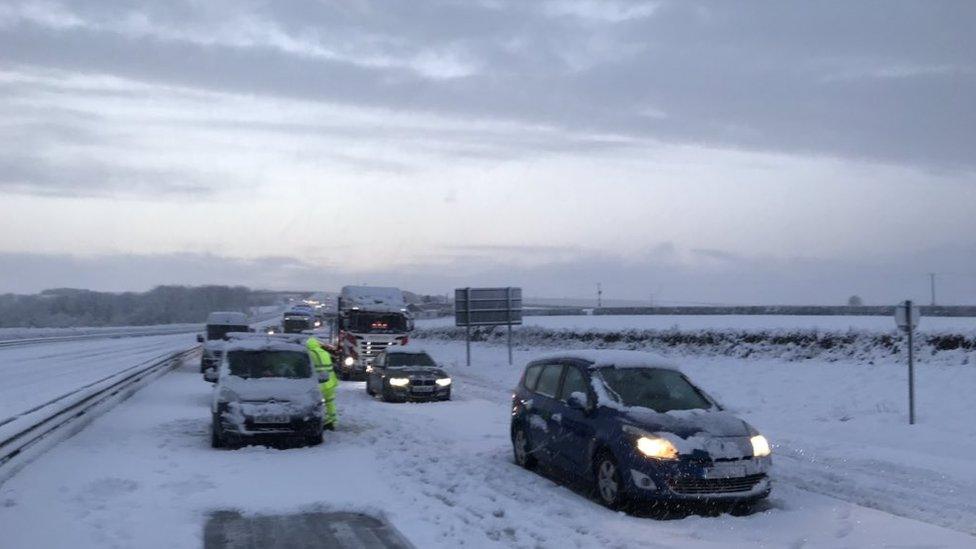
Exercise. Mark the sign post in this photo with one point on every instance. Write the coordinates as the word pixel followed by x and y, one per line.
pixel 487 307
pixel 906 317
pixel 467 325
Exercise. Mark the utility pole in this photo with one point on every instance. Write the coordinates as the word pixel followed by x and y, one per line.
pixel 599 295
pixel 932 286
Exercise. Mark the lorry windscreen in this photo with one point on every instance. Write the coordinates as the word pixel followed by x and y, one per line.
pixel 218 331
pixel 376 323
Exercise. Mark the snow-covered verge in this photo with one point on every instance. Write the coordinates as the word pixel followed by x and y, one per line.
pixel 782 344
pixel 688 323
pixel 144 475
pixel 839 428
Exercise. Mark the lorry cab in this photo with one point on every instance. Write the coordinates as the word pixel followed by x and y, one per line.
pixel 219 324
pixel 297 321
pixel 371 319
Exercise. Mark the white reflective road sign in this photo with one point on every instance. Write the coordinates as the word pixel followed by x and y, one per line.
pixel 902 316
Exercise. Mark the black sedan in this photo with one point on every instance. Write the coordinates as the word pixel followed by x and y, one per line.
pixel 403 373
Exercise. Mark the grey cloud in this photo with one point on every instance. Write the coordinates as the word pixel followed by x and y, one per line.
pixel 481 250
pixel 39 176
pixel 755 280
pixel 752 76
pixel 720 255
pixel 28 273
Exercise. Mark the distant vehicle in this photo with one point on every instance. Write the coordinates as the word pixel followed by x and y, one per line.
pixel 371 320
pixel 297 320
pixel 219 324
pixel 407 373
pixel 638 428
pixel 266 388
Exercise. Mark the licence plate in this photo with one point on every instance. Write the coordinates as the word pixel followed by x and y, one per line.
pixel 272 419
pixel 726 470
pixel 423 389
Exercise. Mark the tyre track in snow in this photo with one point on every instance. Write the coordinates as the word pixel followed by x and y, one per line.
pixel 904 490
pixel 473 493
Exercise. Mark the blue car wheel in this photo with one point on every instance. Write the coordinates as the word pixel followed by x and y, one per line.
pixel 522 449
pixel 609 482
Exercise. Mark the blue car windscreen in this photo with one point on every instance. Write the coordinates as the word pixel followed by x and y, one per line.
pixel 658 389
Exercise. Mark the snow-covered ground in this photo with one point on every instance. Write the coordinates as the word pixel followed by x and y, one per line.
pixel 12 334
pixel 143 475
pixel 729 322
pixel 34 374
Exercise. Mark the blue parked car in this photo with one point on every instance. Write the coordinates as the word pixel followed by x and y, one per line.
pixel 636 427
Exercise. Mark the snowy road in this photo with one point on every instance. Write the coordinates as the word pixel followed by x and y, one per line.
pixel 37 373
pixel 143 475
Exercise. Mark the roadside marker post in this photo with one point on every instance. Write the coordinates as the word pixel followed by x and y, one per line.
pixel 907 316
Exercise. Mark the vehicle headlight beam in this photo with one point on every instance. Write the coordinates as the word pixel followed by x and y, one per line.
pixel 760 446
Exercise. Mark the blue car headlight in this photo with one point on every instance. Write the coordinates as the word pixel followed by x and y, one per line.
pixel 651 445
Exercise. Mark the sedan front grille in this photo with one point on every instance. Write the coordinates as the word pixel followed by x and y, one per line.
pixel 702 486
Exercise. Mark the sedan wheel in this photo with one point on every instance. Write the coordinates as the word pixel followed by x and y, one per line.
pixel 609 485
pixel 520 447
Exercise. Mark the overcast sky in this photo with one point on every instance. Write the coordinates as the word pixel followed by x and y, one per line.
pixel 712 152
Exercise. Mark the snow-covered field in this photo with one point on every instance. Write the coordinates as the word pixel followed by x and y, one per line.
pixel 848 471
pixel 788 339
pixel 729 322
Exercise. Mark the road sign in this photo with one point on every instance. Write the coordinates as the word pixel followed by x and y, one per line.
pixel 487 307
pixel 907 315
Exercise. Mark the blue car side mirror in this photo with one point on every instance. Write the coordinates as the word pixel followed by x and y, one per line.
pixel 578 401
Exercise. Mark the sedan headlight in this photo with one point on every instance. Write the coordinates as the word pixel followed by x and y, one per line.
pixel 349 361
pixel 399 381
pixel 760 446
pixel 444 381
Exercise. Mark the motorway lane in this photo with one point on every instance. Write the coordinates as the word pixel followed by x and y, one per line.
pixel 35 374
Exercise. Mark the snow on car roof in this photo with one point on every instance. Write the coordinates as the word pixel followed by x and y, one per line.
pixel 263 342
pixel 407 350
pixel 599 358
